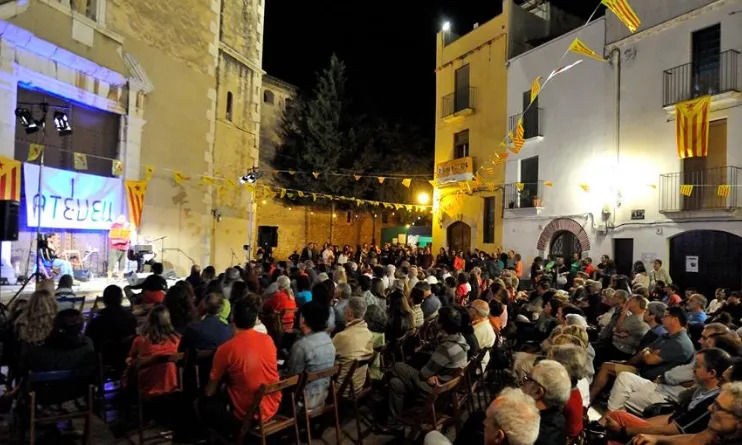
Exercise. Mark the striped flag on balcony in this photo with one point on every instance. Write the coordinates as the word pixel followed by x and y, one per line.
pixel 623 11
pixel 518 135
pixel 579 47
pixel 692 127
pixel 724 190
pixel 686 189
pixel 535 88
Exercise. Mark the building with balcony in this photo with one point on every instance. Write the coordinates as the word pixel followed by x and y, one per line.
pixel 609 146
pixel 172 86
pixel 472 119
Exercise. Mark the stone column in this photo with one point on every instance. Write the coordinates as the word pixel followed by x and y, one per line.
pixel 8 103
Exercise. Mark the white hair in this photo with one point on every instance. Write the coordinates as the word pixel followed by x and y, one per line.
pixel 390 269
pixel 555 381
pixel 283 282
pixel 517 416
pixel 576 319
pixel 572 357
pixel 735 390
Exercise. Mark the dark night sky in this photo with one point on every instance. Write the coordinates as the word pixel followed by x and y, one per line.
pixel 388 47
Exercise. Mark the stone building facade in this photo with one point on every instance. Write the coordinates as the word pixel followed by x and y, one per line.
pixel 184 80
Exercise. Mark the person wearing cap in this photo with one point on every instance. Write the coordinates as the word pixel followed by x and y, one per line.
pixel 483 331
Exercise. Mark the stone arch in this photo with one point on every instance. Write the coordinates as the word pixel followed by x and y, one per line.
pixel 563 225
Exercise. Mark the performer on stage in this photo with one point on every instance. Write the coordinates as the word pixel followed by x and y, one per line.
pixel 47 249
pixel 118 245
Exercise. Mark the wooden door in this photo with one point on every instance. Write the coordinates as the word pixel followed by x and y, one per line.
pixel 459 236
pixel 719 262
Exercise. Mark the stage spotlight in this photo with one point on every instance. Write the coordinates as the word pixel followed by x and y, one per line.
pixel 62 123
pixel 251 177
pixel 26 119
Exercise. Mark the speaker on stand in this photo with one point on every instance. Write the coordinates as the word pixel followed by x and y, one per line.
pixel 9 212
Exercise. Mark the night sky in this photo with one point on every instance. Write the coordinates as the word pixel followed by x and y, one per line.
pixel 388 47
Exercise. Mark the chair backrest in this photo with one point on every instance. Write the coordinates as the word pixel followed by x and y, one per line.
pixel 53 387
pixel 199 363
pixel 310 377
pixel 347 381
pixel 143 363
pixel 254 412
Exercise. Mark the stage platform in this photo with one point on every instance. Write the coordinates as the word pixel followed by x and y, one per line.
pixel 89 289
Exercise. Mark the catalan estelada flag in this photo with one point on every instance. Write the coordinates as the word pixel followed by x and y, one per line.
pixel 535 88
pixel 579 47
pixel 686 189
pixel 135 191
pixel 10 179
pixel 724 190
pixel 518 140
pixel 692 127
pixel 623 11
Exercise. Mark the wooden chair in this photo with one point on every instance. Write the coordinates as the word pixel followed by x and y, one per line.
pixel 429 418
pixel 347 392
pixel 57 387
pixel 146 363
pixel 254 423
pixel 200 361
pixel 330 404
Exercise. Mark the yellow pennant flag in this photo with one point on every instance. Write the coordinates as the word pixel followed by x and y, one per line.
pixel 149 172
pixel 180 177
pixel 548 183
pixel 686 189
pixel 314 196
pixel 34 151
pixel 206 180
pixel 654 186
pixel 432 182
pixel 518 140
pixel 406 182
pixel 289 195
pixel 300 193
pixel 579 47
pixel 585 187
pixel 357 177
pixel 535 88
pixel 520 186
pixel 692 127
pixel 623 11
pixel 231 183
pixel 315 174
pixel 266 190
pixel 117 167
pixel 491 186
pixel 80 161
pixel 380 179
pixel 283 193
pixel 724 190
pixel 292 171
pixel 221 191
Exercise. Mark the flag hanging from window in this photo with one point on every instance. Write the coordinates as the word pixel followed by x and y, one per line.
pixel 579 47
pixel 686 189
pixel 518 135
pixel 10 179
pixel 623 11
pixel 692 127
pixel 135 191
pixel 535 88
pixel 724 190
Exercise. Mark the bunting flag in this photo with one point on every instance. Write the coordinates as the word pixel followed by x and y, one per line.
pixel 686 189
pixel 206 180
pixel 34 152
pixel 180 177
pixel 520 186
pixel 535 88
pixel 314 196
pixel 149 172
pixel 10 179
pixel 563 69
pixel 135 191
pixel 579 47
pixel 585 187
pixel 432 182
pixel 654 186
pixel 358 177
pixel 692 127
pixel 117 167
pixel 518 140
pixel 500 158
pixel 724 190
pixel 292 171
pixel 623 11
pixel 406 182
pixel 316 175
pixel 300 193
pixel 381 179
pixel 283 193
pixel 548 184
pixel 80 160
pixel 491 186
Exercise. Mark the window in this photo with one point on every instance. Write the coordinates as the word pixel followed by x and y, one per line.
pixel 530 116
pixel 229 105
pixel 349 217
pixel 489 221
pixel 461 144
pixel 529 178
pixel 461 95
pixel 706 57
pixel 268 97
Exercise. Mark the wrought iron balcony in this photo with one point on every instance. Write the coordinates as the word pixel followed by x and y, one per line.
pixel 531 195
pixel 532 123
pixel 463 99
pixel 715 76
pixel 705 192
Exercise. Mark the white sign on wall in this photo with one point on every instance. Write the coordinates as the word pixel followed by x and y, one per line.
pixel 691 263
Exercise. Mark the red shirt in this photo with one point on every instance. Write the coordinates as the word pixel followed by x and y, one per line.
pixel 118 243
pixel 158 379
pixel 673 300
pixel 248 361
pixel 152 297
pixel 573 414
pixel 283 301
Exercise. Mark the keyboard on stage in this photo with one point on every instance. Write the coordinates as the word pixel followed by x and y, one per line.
pixel 143 249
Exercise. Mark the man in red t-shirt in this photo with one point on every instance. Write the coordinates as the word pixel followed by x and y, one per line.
pixel 244 363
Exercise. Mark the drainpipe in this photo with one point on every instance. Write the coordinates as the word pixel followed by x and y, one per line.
pixel 616 62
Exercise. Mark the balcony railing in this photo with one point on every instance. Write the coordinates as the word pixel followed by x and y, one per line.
pixel 715 76
pixel 531 195
pixel 532 122
pixel 460 100
pixel 705 193
pixel 88 8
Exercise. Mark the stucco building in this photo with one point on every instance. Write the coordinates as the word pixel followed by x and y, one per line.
pixel 175 86
pixel 611 127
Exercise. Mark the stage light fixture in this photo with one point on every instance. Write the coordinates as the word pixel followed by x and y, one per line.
pixel 30 126
pixel 62 123
pixel 251 177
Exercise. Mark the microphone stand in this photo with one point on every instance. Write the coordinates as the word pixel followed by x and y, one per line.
pixel 234 257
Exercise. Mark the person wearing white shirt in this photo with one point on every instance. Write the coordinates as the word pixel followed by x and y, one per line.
pixel 483 330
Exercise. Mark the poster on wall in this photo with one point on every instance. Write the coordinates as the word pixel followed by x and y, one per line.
pixel 691 263
pixel 72 200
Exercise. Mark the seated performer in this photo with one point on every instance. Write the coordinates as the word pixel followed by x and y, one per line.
pixel 47 250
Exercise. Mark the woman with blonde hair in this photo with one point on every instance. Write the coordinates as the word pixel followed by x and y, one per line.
pixel 339 276
pixel 36 320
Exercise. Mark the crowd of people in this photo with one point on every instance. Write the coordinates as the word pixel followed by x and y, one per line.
pixel 565 336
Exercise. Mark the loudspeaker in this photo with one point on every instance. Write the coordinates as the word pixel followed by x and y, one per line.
pixel 9 211
pixel 268 235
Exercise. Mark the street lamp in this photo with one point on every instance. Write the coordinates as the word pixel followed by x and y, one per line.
pixel 423 198
pixel 446 26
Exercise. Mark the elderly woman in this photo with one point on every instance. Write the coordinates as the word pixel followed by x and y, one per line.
pixel 573 358
pixel 549 385
pixel 283 301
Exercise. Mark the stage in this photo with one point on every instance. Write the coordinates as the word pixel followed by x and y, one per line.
pixel 89 289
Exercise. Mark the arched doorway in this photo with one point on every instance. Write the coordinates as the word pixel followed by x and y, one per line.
pixel 564 244
pixel 719 262
pixel 459 236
